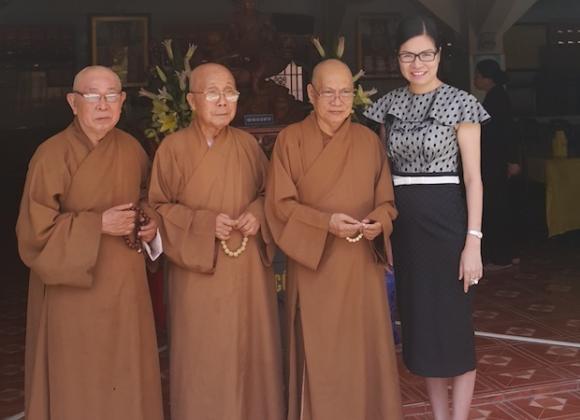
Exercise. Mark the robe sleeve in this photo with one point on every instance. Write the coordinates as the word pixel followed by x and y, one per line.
pixel 153 249
pixel 188 235
pixel 384 211
pixel 143 201
pixel 299 230
pixel 256 207
pixel 61 247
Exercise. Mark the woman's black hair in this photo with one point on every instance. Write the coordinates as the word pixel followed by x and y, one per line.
pixel 413 26
pixel 490 69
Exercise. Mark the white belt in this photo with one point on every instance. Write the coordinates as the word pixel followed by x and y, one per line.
pixel 410 180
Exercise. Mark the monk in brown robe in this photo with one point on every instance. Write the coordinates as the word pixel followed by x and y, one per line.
pixel 91 351
pixel 207 184
pixel 329 205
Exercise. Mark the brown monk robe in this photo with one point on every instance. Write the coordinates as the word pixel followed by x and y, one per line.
pixel 91 351
pixel 329 185
pixel 207 182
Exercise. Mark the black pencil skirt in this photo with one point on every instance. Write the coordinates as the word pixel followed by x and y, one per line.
pixel 436 314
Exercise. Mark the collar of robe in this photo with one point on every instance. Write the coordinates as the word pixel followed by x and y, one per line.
pixel 323 165
pixel 82 136
pixel 217 140
pixel 316 136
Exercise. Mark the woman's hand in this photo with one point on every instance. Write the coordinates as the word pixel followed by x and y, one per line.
pixel 470 266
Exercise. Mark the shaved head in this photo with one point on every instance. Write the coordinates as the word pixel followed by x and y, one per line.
pixel 84 74
pixel 328 67
pixel 96 118
pixel 212 115
pixel 331 93
pixel 201 74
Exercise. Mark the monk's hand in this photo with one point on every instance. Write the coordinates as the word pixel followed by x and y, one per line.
pixel 371 229
pixel 470 266
pixel 248 224
pixel 147 232
pixel 118 220
pixel 342 225
pixel 224 225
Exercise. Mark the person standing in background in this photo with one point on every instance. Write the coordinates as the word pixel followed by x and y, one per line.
pixel 499 157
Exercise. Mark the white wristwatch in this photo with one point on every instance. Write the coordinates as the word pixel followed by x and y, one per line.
pixel 475 233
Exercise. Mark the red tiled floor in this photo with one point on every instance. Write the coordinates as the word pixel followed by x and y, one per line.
pixel 538 299
pixel 503 358
pixel 515 380
pixel 551 355
pixel 485 342
pixel 499 411
pixel 560 406
pixel 518 325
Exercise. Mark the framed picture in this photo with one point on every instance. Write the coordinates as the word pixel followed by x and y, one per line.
pixel 376 49
pixel 121 43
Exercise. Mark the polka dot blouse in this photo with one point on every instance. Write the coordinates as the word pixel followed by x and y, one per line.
pixel 422 139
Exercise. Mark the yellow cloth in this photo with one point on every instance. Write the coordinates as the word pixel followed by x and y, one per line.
pixel 562 179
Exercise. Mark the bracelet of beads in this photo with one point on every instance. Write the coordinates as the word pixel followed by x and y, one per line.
pixel 238 251
pixel 355 239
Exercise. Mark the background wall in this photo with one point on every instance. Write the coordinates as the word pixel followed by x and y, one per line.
pixel 331 17
pixel 162 13
pixel 553 11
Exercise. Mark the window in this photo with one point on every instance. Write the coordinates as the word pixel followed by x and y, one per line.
pixel 565 35
pixel 291 78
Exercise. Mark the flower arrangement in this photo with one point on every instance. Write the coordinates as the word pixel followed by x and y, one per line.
pixel 170 110
pixel 362 98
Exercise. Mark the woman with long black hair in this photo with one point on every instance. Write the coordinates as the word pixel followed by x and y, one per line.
pixel 431 127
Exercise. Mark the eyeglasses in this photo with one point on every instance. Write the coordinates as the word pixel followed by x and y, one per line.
pixel 93 98
pixel 424 56
pixel 329 95
pixel 213 95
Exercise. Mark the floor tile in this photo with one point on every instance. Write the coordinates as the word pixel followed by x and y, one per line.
pixel 547 407
pixel 551 355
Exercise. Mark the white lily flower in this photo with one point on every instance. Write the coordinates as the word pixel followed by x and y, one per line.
pixel 340 47
pixel 371 92
pixel 187 58
pixel 161 75
pixel 168 49
pixel 182 78
pixel 357 76
pixel 319 47
pixel 164 94
pixel 147 94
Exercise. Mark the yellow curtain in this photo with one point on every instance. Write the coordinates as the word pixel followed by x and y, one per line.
pixel 562 195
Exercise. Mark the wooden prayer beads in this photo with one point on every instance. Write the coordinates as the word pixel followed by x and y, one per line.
pixel 355 239
pixel 132 240
pixel 238 251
